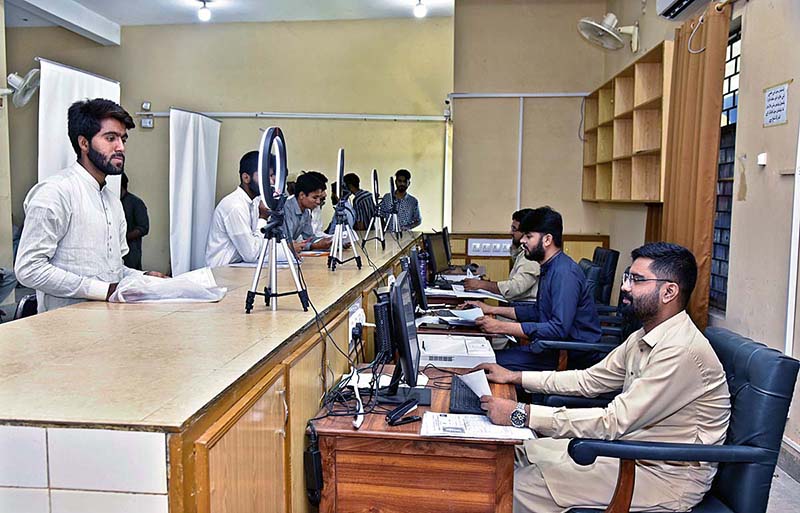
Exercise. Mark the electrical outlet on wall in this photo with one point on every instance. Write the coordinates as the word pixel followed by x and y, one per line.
pixel 356 315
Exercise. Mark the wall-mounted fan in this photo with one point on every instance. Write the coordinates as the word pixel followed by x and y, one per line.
pixel 21 89
pixel 607 34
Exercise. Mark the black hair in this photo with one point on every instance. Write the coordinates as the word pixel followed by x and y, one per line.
pixel 124 180
pixel 544 220
pixel 308 183
pixel 352 179
pixel 405 173
pixel 317 176
pixel 248 164
pixel 519 215
pixel 84 117
pixel 671 262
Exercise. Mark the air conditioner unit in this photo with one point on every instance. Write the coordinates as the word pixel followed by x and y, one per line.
pixel 678 9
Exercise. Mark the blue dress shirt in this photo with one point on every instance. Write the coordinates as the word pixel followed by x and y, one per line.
pixel 564 308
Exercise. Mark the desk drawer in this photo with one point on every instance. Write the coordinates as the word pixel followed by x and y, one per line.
pixel 385 475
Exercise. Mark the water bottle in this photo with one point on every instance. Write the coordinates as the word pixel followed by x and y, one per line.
pixel 422 263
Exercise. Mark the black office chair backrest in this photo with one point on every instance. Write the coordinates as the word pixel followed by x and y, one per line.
pixel 26 307
pixel 607 260
pixel 761 382
pixel 592 273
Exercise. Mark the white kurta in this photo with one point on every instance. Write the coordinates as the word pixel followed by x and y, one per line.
pixel 73 240
pixel 233 236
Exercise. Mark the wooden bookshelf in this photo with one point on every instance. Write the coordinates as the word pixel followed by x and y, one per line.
pixel 605 144
pixel 625 127
pixel 605 105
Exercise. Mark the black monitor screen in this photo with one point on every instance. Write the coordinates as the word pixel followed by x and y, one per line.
pixel 404 328
pixel 417 290
pixel 447 249
pixel 437 252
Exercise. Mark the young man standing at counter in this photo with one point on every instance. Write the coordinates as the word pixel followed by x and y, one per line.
pixel 74 236
pixel 408 214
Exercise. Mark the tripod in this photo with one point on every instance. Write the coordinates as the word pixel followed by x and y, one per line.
pixel 392 222
pixel 274 237
pixel 377 223
pixel 341 226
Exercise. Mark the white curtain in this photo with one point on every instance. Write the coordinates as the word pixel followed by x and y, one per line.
pixel 193 149
pixel 61 86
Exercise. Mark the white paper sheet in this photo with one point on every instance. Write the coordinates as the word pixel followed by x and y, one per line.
pixel 477 382
pixel 463 295
pixel 469 426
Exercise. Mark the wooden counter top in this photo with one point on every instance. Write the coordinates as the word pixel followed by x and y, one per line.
pixel 154 366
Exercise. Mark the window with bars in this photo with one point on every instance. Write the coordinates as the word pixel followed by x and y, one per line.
pixel 718 294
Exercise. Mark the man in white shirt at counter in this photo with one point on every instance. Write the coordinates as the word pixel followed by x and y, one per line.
pixel 73 240
pixel 234 236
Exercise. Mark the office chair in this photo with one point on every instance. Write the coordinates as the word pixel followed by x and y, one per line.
pixel 761 382
pixel 607 260
pixel 26 307
pixel 593 273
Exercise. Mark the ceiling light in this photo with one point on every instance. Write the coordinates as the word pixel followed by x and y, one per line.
pixel 204 14
pixel 420 11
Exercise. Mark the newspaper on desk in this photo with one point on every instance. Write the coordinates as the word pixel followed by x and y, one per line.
pixel 469 426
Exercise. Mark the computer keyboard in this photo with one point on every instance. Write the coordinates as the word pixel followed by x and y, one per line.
pixel 464 400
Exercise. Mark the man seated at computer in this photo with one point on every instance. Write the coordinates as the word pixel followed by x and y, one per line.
pixel 308 194
pixel 404 204
pixel 565 307
pixel 673 390
pixel 523 280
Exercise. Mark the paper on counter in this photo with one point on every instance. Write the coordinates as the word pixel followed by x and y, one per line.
pixel 455 277
pixel 468 314
pixel 426 319
pixel 463 295
pixel 477 382
pixel 469 426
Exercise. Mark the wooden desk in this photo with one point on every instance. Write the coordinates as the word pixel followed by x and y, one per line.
pixel 380 468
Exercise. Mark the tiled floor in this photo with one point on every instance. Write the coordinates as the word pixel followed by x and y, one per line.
pixel 785 494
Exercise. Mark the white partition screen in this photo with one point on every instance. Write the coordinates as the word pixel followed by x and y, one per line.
pixel 193 150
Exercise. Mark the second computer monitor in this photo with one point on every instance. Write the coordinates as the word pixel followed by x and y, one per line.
pixel 404 329
pixel 416 281
pixel 437 254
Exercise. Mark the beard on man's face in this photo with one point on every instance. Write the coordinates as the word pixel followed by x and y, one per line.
pixel 536 254
pixel 106 164
pixel 642 308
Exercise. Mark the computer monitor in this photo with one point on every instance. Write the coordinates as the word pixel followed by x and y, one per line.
pixel 404 340
pixel 447 249
pixel 417 290
pixel 437 254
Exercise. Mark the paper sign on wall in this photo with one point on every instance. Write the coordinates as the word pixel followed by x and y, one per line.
pixel 775 102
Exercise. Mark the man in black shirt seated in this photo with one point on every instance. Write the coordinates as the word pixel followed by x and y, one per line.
pixel 564 307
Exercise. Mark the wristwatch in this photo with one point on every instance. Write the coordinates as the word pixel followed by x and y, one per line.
pixel 519 418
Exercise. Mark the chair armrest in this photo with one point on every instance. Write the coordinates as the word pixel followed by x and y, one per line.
pixel 614 331
pixel 611 319
pixel 585 451
pixel 605 309
pixel 571 345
